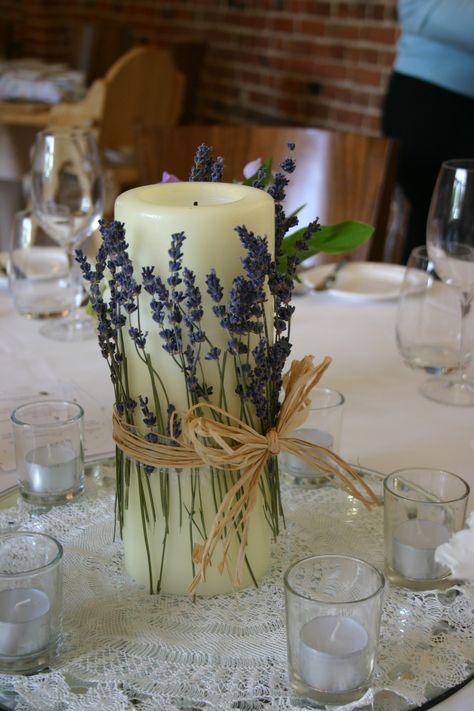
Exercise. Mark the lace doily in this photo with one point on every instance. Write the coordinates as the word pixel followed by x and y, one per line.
pixel 124 649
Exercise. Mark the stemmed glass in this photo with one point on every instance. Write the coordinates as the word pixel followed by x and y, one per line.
pixel 67 192
pixel 428 320
pixel 450 244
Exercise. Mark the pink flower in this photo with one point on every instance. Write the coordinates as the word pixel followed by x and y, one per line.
pixel 252 167
pixel 169 177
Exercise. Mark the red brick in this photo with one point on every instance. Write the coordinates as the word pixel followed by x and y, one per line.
pixel 265 49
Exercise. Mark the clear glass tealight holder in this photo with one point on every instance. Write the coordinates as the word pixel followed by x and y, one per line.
pixel 49 451
pixel 31 608
pixel 423 508
pixel 333 610
pixel 323 426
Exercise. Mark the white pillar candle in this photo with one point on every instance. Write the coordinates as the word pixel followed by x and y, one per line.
pixel 333 654
pixel 413 548
pixel 52 468
pixel 295 466
pixel 208 213
pixel 24 621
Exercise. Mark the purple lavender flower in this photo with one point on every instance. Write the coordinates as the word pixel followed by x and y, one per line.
pixel 288 165
pixel 217 170
pixel 206 168
pixel 149 419
pixel 169 177
pixel 213 353
pixel 214 287
pixel 203 163
pixel 138 337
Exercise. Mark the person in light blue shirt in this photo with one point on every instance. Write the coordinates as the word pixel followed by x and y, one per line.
pixel 429 104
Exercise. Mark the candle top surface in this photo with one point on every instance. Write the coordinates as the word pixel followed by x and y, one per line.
pixel 51 455
pixel 419 533
pixel 334 635
pixel 312 434
pixel 19 605
pixel 193 196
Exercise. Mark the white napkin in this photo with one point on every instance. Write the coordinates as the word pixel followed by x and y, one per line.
pixel 458 553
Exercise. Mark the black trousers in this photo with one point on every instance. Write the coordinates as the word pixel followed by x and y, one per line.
pixel 432 125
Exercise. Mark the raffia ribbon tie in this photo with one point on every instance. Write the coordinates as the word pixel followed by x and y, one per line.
pixel 232 445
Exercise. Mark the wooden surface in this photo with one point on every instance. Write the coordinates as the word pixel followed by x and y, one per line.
pixel 22 113
pixel 85 112
pixel 339 176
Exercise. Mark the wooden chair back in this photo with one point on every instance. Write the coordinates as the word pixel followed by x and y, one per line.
pixel 143 88
pixel 339 176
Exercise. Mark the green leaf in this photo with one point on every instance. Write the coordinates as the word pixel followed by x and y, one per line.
pixel 331 239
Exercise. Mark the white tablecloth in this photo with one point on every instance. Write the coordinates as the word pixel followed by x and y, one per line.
pixel 387 423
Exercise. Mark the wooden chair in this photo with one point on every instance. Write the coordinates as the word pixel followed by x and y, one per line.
pixel 339 176
pixel 143 87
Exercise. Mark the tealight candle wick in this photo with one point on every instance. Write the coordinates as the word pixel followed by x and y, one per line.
pixel 334 632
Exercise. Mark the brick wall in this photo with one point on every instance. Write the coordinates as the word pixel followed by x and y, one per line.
pixel 308 62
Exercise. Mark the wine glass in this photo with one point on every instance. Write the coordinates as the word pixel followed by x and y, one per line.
pixel 450 243
pixel 428 320
pixel 67 193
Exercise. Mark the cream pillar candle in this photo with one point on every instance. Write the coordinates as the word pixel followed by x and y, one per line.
pixel 208 214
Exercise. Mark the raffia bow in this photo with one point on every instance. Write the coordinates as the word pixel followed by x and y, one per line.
pixel 237 446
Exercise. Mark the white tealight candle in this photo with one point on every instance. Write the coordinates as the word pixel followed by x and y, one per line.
pixel 333 654
pixel 295 466
pixel 414 545
pixel 53 468
pixel 24 621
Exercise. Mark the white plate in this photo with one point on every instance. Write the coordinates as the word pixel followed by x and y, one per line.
pixel 359 281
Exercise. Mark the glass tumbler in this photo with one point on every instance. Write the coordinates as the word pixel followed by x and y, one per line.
pixel 423 508
pixel 333 610
pixel 323 426
pixel 38 272
pixel 31 608
pixel 48 436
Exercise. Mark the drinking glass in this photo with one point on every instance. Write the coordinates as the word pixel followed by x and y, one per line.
pixel 428 322
pixel 333 608
pixel 49 451
pixel 67 192
pixel 450 243
pixel 423 508
pixel 38 274
pixel 323 427
pixel 31 601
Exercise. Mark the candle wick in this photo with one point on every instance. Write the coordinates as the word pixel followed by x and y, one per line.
pixel 26 601
pixel 335 630
pixel 195 202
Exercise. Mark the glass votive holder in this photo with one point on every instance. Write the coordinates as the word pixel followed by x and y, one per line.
pixel 323 426
pixel 30 601
pixel 333 610
pixel 422 508
pixel 49 451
